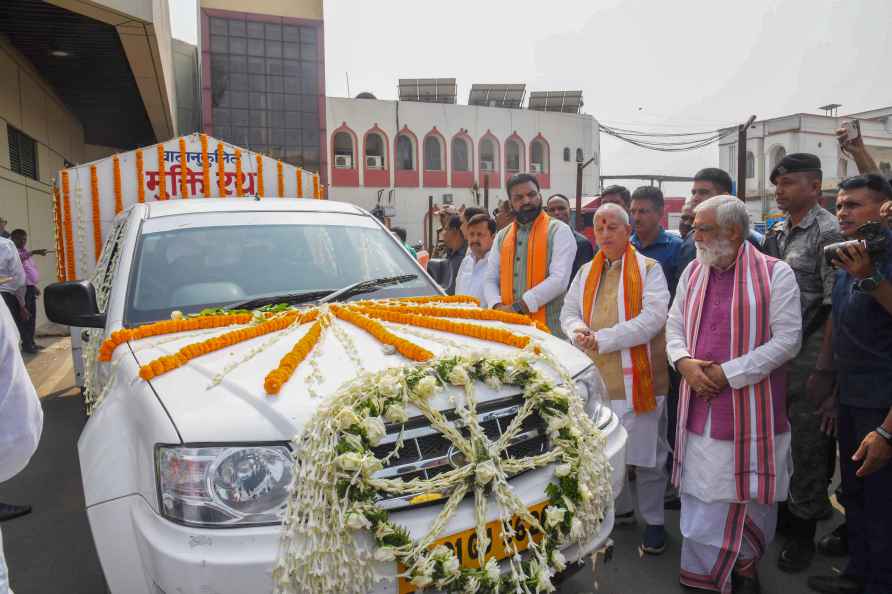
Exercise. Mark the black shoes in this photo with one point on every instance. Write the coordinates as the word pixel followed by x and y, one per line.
pixel 835 544
pixel 835 584
pixel 744 584
pixel 799 549
pixel 8 511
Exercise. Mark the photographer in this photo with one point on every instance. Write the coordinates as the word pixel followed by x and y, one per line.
pixel 862 357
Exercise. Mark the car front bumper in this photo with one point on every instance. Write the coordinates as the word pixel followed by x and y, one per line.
pixel 143 553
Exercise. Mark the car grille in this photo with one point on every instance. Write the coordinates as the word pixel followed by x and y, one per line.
pixel 425 451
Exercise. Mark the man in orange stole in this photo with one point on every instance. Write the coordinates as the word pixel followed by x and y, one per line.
pixel 616 312
pixel 529 266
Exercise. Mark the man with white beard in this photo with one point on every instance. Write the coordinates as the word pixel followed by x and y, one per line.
pixel 733 325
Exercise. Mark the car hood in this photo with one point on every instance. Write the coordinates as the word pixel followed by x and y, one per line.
pixel 219 397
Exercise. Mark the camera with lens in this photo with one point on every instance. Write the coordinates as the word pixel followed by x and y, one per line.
pixel 873 240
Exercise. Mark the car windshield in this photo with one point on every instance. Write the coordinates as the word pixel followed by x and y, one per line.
pixel 196 264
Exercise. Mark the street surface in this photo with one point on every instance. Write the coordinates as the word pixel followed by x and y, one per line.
pixel 51 550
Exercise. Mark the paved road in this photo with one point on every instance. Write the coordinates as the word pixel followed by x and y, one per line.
pixel 51 550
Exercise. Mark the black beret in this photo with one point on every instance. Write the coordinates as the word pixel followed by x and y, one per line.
pixel 796 163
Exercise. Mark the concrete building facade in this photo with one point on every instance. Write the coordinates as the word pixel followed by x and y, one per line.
pixel 400 153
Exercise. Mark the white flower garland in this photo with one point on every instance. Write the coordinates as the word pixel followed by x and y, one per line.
pixel 335 535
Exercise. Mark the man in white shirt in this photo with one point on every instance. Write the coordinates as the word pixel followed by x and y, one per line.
pixel 529 267
pixel 12 281
pixel 481 230
pixel 615 311
pixel 21 418
pixel 733 325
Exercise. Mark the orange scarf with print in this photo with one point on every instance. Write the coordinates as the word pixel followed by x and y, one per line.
pixel 643 397
pixel 537 261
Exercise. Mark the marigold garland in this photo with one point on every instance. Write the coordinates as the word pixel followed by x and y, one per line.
pixel 300 182
pixel 140 179
pixel 440 299
pixel 316 194
pixel 162 365
pixel 465 329
pixel 116 165
pixel 60 245
pixel 162 173
pixel 260 187
pixel 279 376
pixel 280 178
pixel 221 173
pixel 491 315
pixel 205 167
pixel 184 190
pixel 97 222
pixel 238 173
pixel 69 231
pixel 168 327
pixel 406 348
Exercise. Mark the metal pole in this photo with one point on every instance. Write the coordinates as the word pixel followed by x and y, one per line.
pixel 579 167
pixel 741 157
pixel 486 192
pixel 430 224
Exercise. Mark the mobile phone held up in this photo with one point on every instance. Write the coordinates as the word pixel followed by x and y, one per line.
pixel 853 131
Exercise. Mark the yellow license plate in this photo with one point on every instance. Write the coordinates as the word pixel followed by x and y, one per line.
pixel 464 544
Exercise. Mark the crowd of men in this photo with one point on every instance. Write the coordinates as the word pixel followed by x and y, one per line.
pixel 738 363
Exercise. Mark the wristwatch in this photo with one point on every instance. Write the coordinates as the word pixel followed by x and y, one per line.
pixel 871 283
pixel 884 434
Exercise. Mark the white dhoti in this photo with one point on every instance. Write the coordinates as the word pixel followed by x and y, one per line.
pixel 717 529
pixel 647 450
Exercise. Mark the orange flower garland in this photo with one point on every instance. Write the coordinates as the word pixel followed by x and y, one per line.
pixel 465 329
pixel 69 232
pixel 205 167
pixel 277 378
pixel 221 182
pixel 97 222
pixel 184 190
pixel 441 299
pixel 140 180
pixel 280 178
pixel 162 365
pixel 406 348
pixel 466 313
pixel 238 173
pixel 162 173
pixel 168 327
pixel 260 188
pixel 60 245
pixel 300 182
pixel 116 165
pixel 316 193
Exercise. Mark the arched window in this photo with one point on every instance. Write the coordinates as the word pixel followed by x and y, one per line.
pixel 750 165
pixel 376 158
pixel 539 156
pixel 567 154
pixel 460 154
pixel 777 154
pixel 343 147
pixel 433 153
pixel 374 147
pixel 512 156
pixel 344 162
pixel 405 153
pixel 487 155
pixel 579 157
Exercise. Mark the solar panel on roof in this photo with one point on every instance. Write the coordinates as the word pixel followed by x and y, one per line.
pixel 428 90
pixel 497 95
pixel 558 101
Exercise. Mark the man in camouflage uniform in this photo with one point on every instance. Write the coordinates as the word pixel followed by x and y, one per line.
pixel 799 240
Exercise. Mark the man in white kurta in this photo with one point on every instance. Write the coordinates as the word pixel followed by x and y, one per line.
pixel 598 319
pixel 734 323
pixel 21 418
pixel 481 231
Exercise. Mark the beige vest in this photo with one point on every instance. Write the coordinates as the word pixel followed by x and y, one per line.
pixel 605 314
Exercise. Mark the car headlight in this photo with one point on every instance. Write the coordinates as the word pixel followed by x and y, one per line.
pixel 223 486
pixel 591 389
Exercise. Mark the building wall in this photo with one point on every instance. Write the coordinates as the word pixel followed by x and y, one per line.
pixel 295 9
pixel 358 116
pixel 28 104
pixel 185 66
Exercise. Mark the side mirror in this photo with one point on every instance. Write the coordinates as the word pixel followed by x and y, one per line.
pixel 73 303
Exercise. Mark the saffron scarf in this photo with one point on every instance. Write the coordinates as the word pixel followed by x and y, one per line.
pixel 537 262
pixel 637 371
pixel 753 411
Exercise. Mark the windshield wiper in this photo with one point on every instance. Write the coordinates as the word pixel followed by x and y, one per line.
pixel 292 298
pixel 367 286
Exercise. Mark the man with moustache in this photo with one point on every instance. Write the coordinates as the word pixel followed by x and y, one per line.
pixel 734 323
pixel 799 240
pixel 558 207
pixel 686 221
pixel 481 230
pixel 529 267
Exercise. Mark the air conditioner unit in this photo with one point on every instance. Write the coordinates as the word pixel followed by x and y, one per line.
pixel 374 162
pixel 447 199
pixel 343 162
pixel 486 166
pixel 536 167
